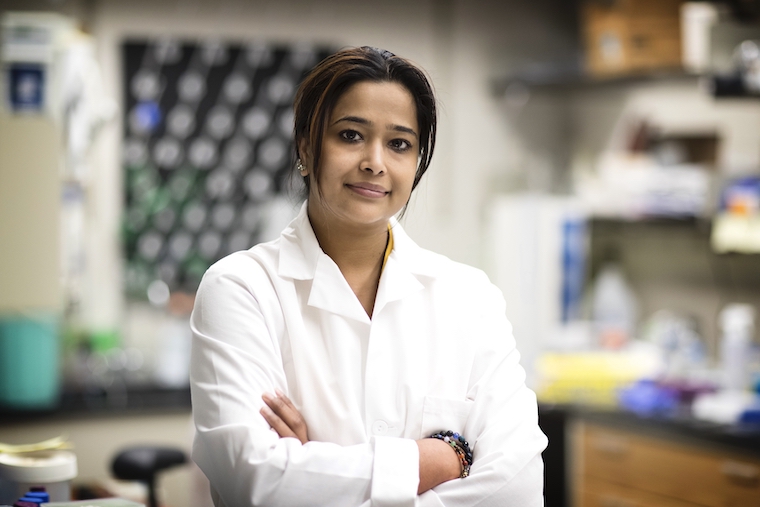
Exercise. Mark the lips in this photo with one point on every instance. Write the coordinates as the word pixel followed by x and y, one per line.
pixel 368 189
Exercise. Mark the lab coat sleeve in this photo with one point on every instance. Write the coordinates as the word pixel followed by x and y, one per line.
pixel 236 358
pixel 502 428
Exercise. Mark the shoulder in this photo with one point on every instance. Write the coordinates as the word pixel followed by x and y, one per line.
pixel 446 270
pixel 473 283
pixel 247 268
pixel 425 263
pixel 264 259
pixel 463 298
pixel 462 283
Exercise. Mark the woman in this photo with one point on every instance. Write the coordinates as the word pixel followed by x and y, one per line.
pixel 323 361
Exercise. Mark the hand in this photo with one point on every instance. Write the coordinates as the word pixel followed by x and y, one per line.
pixel 438 463
pixel 283 416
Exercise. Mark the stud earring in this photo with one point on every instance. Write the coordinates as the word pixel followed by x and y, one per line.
pixel 300 167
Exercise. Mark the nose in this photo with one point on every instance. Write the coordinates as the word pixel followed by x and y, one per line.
pixel 373 160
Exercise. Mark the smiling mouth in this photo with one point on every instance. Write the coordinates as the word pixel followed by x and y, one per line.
pixel 371 191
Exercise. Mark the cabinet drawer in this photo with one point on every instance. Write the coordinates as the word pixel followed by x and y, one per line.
pixel 673 470
pixel 598 493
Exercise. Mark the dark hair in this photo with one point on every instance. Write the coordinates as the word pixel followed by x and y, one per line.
pixel 333 76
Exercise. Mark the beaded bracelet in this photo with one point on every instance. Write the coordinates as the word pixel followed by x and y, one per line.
pixel 460 446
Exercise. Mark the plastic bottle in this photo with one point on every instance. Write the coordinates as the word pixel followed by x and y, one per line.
pixel 737 323
pixel 614 307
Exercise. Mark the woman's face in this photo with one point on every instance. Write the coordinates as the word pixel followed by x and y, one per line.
pixel 369 155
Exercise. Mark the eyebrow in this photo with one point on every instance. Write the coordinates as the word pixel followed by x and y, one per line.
pixel 364 121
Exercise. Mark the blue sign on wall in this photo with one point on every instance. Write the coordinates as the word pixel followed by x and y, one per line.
pixel 26 87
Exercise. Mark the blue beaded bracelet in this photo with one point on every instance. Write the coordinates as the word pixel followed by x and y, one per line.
pixel 460 446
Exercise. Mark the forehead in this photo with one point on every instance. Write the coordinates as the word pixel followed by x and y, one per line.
pixel 387 101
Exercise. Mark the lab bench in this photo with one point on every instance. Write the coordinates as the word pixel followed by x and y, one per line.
pixel 610 458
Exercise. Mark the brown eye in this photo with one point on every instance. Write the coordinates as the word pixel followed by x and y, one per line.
pixel 351 136
pixel 400 145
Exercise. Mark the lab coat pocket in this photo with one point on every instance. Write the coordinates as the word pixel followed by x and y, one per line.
pixel 444 414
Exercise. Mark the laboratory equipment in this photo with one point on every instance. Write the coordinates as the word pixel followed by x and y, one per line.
pixel 51 469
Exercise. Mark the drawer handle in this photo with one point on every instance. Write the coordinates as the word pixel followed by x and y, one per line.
pixel 611 445
pixel 740 472
pixel 613 501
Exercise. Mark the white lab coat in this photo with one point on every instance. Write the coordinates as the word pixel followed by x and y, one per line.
pixel 437 354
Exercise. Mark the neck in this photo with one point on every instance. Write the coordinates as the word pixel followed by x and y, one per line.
pixel 358 252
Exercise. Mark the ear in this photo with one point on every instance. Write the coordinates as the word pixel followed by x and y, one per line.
pixel 304 153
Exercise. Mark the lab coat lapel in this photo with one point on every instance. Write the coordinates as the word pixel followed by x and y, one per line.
pixel 330 291
pixel 302 258
pixel 395 283
pixel 299 249
pixel 403 270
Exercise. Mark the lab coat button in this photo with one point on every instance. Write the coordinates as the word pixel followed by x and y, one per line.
pixel 380 427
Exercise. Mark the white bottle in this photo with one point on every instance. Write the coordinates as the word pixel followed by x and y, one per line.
pixel 737 323
pixel 614 307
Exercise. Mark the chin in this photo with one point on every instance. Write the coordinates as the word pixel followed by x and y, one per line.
pixel 367 217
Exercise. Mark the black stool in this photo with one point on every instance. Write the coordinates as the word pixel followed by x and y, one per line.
pixel 143 464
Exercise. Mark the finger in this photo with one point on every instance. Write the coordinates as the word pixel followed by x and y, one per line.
pixel 278 406
pixel 287 413
pixel 286 400
pixel 284 408
pixel 276 423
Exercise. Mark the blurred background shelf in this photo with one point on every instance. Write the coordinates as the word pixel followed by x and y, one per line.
pixel 550 82
pixel 81 405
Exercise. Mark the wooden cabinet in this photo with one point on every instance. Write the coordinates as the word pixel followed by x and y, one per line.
pixel 619 468
pixel 598 493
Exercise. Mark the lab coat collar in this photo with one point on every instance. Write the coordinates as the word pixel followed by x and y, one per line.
pixel 299 249
pixel 301 258
pixel 411 257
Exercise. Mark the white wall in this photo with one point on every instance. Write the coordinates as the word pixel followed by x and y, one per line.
pixel 29 216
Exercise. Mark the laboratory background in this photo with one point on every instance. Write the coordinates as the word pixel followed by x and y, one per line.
pixel 598 159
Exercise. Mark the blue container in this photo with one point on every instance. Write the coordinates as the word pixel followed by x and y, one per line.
pixel 29 366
